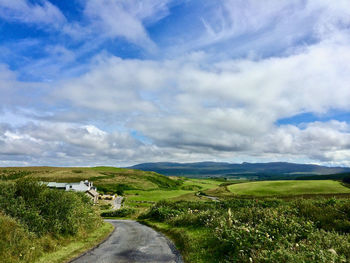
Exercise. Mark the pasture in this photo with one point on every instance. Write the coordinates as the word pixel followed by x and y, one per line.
pixel 188 187
pixel 288 188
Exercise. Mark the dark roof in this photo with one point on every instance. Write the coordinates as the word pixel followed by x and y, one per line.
pixel 92 192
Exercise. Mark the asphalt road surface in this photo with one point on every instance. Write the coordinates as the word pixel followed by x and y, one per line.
pixel 132 242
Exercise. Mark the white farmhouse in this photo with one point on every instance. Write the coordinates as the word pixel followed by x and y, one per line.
pixel 83 186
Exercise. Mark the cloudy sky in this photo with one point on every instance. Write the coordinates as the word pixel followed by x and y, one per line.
pixel 114 82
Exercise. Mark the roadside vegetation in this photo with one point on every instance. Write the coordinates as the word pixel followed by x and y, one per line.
pixel 36 220
pixel 210 220
pixel 252 230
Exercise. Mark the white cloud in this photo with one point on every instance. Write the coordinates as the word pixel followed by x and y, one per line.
pixel 254 28
pixel 23 11
pixel 191 107
pixel 68 144
pixel 114 18
pixel 187 105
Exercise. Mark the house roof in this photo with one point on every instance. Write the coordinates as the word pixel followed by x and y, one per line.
pixel 92 192
pixel 57 185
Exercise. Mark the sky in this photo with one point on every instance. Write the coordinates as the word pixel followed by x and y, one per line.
pixel 113 82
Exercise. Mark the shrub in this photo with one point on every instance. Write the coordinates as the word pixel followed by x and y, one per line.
pixel 123 212
pixel 248 230
pixel 43 210
pixel 346 179
pixel 16 243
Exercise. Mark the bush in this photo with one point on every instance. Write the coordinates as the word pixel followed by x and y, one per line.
pixel 123 212
pixel 43 210
pixel 113 188
pixel 247 230
pixel 346 179
pixel 16 243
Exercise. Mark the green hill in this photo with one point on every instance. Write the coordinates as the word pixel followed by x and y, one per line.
pixel 106 179
pixel 283 188
pixel 261 171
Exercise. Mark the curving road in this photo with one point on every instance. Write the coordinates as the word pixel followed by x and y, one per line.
pixel 132 242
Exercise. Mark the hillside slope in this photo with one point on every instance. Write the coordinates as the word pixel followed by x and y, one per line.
pixel 107 179
pixel 205 169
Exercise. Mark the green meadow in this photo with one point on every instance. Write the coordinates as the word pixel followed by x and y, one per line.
pixel 249 222
pixel 286 188
pixel 187 186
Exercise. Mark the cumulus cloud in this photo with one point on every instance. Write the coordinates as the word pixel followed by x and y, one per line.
pixel 68 144
pixel 225 107
pixel 197 106
pixel 327 142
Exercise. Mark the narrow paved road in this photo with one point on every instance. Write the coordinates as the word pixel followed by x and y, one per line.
pixel 132 242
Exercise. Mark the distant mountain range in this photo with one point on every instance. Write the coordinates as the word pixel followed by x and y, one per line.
pixel 251 170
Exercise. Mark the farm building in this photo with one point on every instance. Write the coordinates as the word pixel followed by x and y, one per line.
pixel 93 195
pixel 83 186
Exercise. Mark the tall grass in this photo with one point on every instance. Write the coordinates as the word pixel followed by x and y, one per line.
pixel 258 230
pixel 35 219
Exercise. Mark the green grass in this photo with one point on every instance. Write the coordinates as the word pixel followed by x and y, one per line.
pixel 107 179
pixel 288 188
pixel 76 247
pixel 251 230
pixel 154 195
pixel 204 184
pixel 157 195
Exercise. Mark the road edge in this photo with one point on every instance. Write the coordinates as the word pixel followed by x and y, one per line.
pixel 95 246
pixel 171 244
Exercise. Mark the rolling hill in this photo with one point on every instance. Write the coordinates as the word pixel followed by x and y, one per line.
pixel 107 179
pixel 252 170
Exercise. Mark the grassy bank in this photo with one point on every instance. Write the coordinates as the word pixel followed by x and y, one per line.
pixel 74 247
pixel 243 230
pixel 36 220
pixel 280 188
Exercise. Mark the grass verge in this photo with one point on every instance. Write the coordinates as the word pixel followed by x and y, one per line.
pixel 192 242
pixel 76 247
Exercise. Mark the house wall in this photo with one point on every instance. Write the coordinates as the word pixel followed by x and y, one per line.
pixel 83 186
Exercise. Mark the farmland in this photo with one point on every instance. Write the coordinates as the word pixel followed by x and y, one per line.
pixel 249 222
pixel 286 188
pixel 107 179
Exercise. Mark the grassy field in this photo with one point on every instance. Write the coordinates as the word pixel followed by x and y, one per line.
pixel 188 186
pixel 107 179
pixel 141 189
pixel 287 188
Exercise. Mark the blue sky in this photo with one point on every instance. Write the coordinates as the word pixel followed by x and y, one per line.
pixel 111 82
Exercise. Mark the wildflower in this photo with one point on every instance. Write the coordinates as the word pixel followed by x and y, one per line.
pixel 246 229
